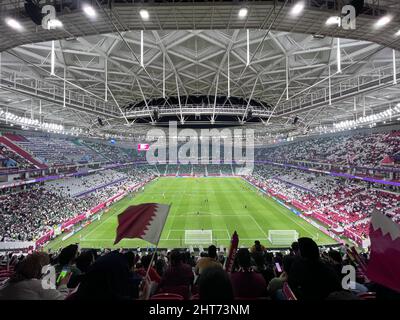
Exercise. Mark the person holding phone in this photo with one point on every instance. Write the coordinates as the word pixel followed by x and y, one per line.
pixel 66 271
pixel 281 270
pixel 66 263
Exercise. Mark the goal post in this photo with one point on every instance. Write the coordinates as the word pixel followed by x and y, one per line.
pixel 198 237
pixel 282 237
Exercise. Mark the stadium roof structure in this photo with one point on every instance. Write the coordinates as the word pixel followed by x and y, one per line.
pixel 195 66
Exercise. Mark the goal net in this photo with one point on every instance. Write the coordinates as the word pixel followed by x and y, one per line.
pixel 282 237
pixel 198 237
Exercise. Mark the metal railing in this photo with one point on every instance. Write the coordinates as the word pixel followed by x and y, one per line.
pixel 370 81
pixel 198 109
pixel 42 89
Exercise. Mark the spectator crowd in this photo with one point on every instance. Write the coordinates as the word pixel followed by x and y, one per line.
pixel 27 214
pixel 337 202
pixel 361 149
pixel 304 272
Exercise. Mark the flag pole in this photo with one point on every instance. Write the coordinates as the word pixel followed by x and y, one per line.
pixel 155 249
pixel 146 280
pixel 151 260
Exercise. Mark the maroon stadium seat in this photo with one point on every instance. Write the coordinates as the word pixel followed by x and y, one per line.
pixel 289 295
pixel 184 291
pixel 167 296
pixel 367 296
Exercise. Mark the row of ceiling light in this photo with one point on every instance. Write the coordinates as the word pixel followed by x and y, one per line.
pixel 378 117
pixel 55 23
pixel 28 122
pixel 35 124
pixel 390 114
pixel 295 10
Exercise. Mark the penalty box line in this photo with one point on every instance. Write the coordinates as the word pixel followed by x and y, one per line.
pixel 259 227
pixel 209 214
pixel 86 238
pixel 165 239
pixel 183 230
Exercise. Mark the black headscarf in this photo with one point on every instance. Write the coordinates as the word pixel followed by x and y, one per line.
pixel 107 279
pixel 308 249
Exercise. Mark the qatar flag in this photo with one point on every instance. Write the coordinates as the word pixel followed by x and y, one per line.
pixel 384 263
pixel 232 252
pixel 143 146
pixel 145 221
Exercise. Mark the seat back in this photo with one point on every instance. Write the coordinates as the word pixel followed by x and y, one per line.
pixel 195 297
pixel 367 296
pixel 288 293
pixel 182 290
pixel 167 296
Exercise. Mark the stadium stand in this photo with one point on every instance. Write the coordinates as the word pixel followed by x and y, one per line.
pixel 111 152
pixel 20 151
pixel 338 203
pixel 76 186
pixel 362 149
pixel 28 214
pixel 10 159
pixel 59 151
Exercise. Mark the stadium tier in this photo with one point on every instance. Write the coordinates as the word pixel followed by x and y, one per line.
pixel 340 205
pixel 199 150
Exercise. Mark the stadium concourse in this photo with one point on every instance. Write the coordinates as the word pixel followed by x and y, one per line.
pixel 200 150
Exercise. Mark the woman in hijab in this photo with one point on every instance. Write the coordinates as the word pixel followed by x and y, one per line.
pixel 107 279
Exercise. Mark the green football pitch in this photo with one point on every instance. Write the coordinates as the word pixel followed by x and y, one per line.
pixel 222 205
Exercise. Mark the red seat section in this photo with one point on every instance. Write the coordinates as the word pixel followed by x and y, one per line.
pixel 183 291
pixel 6 273
pixel 21 152
pixel 367 296
pixel 15 137
pixel 167 296
pixel 289 295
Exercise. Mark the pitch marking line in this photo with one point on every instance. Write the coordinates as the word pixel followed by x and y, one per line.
pixel 175 239
pixel 164 239
pixel 179 230
pixel 255 189
pixel 259 227
pixel 201 214
pixel 183 230
pixel 227 232
pixel 288 215
pixel 212 215
pixel 98 226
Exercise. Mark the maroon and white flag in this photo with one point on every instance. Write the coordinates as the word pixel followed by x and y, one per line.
pixel 232 252
pixel 145 221
pixel 384 263
pixel 143 146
